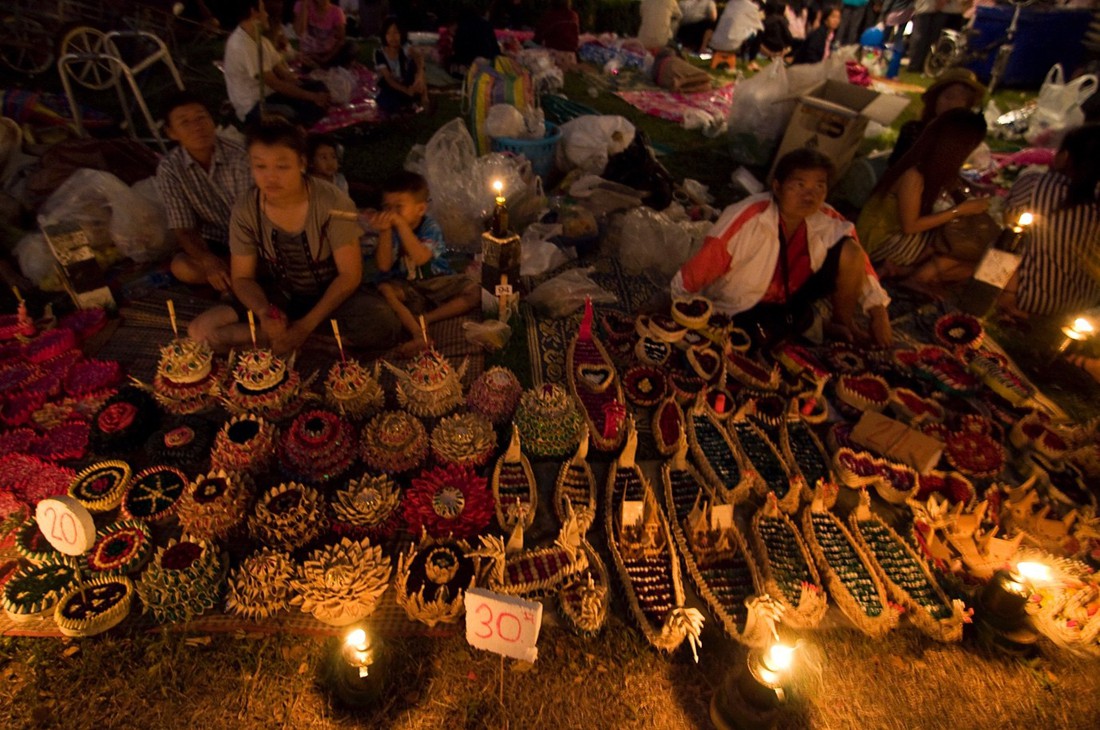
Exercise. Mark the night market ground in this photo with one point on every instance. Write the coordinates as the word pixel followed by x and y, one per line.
pixel 168 678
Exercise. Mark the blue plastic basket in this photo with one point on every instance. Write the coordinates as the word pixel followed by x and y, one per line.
pixel 540 152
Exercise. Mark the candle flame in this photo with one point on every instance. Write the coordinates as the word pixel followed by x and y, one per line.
pixel 356 638
pixel 1033 572
pixel 779 657
pixel 498 187
pixel 1025 219
pixel 1083 326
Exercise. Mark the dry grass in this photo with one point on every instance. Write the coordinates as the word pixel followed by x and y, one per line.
pixel 170 680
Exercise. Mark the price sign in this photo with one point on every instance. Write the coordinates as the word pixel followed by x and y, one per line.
pixel 504 290
pixel 66 524
pixel 504 625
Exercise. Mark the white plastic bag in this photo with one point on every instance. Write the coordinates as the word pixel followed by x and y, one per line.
pixel 339 82
pixel 537 253
pixel 99 202
pixel 504 120
pixel 566 293
pixel 759 115
pixel 650 241
pixel 492 334
pixel 589 140
pixel 36 261
pixel 1058 107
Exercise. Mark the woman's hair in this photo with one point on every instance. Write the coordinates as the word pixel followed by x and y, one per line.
pixel 938 153
pixel 932 96
pixel 1082 146
pixel 273 130
pixel 774 7
pixel 393 21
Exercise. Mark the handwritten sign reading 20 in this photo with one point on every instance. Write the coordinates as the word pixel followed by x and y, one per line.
pixel 503 624
pixel 66 524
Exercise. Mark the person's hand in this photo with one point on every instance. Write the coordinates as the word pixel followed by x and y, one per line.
pixel 321 99
pixel 216 272
pixel 273 323
pixel 973 206
pixel 881 331
pixel 290 339
pixel 380 220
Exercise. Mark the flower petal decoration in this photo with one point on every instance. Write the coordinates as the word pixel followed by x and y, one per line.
pixel 342 583
pixel 182 580
pixel 449 501
pixel 367 507
pixel 260 586
pixel 495 394
pixel 289 516
pixel 318 447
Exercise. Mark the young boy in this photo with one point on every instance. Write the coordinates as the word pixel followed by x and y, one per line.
pixel 418 281
pixel 323 159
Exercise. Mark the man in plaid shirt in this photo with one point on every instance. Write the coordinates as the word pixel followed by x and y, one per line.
pixel 199 181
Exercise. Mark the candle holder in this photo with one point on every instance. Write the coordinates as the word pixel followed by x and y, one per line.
pixel 752 695
pixel 1002 620
pixel 356 672
pixel 500 252
pixel 1080 330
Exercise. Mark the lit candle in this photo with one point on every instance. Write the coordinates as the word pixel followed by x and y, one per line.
pixel 358 651
pixel 499 226
pixel 1080 330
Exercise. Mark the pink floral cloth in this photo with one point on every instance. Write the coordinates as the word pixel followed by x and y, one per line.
pixel 671 106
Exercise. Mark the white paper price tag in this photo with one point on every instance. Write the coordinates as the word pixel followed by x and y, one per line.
pixel 66 524
pixel 504 625
pixel 504 290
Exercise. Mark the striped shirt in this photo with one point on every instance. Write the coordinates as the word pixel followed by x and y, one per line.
pixel 199 200
pixel 1058 270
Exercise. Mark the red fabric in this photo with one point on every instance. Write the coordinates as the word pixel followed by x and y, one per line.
pixel 798 262
pixel 559 29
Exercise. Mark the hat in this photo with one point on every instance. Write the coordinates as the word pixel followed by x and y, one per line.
pixel 956 75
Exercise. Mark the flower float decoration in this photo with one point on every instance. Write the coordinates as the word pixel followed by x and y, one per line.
pixel 260 586
pixel 749 372
pixel 246 444
pixel 787 571
pixel 448 501
pixel 288 517
pixel 182 580
pixel 353 390
pixel 718 455
pixel 915 409
pixel 548 421
pixel 264 384
pixel 575 488
pixel 318 447
pixel 863 392
pixel 154 494
pixel 692 312
pixel 184 443
pixel 215 504
pixel 1000 376
pixel 91 376
pixel 432 579
pixel 120 548
pixel 847 570
pixel 959 331
pixel 101 486
pixel 495 394
pixel 941 367
pixel 341 583
pixel 530 572
pixel 595 384
pixel 32 545
pixel 644 386
pixel 33 591
pixel 906 577
pixel 972 449
pixel 585 597
pixel 188 378
pixel 668 422
pixel 645 556
pixel 95 606
pixel 464 438
pixel 1033 432
pixel 367 507
pixel 514 487
pixel 394 442
pixel 429 387
pixel 124 422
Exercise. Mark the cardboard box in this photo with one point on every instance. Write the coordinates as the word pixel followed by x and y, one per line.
pixel 832 117
pixel 80 272
pixel 894 440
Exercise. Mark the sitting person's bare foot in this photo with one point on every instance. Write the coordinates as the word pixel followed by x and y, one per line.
pixel 1090 365
pixel 413 347
pixel 846 332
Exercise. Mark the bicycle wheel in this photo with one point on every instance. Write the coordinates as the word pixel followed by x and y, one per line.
pixel 28 48
pixel 942 56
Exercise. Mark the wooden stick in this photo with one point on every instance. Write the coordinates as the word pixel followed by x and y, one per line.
pixel 252 327
pixel 172 317
pixel 339 342
pixel 344 215
pixel 18 295
pixel 423 328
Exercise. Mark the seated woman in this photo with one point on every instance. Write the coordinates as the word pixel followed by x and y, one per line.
pixel 697 24
pixel 1058 273
pixel 294 256
pixel 955 88
pixel 899 223
pixel 322 33
pixel 401 84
